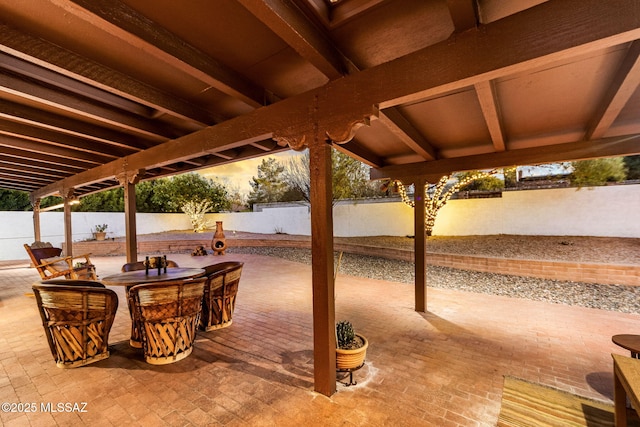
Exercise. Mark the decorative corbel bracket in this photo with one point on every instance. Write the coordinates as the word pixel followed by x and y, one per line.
pixel 130 177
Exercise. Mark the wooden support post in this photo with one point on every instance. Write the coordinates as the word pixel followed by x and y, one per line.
pixel 36 220
pixel 420 247
pixel 130 222
pixel 129 180
pixel 324 340
pixel 68 232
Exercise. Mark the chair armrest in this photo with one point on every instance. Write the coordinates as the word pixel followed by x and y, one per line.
pixel 85 256
pixel 52 261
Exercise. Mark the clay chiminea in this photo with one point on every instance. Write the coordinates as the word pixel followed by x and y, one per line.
pixel 219 243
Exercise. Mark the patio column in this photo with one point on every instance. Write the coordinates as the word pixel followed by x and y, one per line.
pixel 324 341
pixel 420 247
pixel 129 180
pixel 68 232
pixel 36 220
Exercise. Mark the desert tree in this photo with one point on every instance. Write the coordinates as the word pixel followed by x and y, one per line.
pixel 349 177
pixel 437 195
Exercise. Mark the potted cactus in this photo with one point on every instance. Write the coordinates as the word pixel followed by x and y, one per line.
pixel 351 347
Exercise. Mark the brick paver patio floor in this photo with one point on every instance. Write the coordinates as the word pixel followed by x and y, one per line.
pixel 440 368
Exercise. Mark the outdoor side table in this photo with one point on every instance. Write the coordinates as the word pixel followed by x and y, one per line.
pixel 628 342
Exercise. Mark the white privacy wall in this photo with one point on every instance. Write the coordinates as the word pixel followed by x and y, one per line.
pixel 600 211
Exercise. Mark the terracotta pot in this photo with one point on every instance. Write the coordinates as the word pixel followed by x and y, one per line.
pixel 351 359
pixel 100 235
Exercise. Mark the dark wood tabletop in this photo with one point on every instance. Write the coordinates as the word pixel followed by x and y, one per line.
pixel 135 277
pixel 629 342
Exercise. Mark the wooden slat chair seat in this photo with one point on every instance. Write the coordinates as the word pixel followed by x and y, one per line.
pixel 77 320
pixel 167 314
pixel 49 263
pixel 220 294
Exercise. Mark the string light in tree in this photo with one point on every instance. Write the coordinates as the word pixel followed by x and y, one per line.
pixel 436 196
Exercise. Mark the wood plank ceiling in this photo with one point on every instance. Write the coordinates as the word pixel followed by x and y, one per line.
pixel 90 89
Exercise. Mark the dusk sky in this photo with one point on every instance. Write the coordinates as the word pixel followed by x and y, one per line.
pixel 238 175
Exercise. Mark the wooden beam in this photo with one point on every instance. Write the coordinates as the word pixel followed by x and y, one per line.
pixel 486 92
pixel 71 65
pixel 45 160
pixel 13 86
pixel 625 84
pixel 542 35
pixel 395 121
pixel 608 147
pixel 38 163
pixel 289 23
pixel 133 28
pixel 356 150
pixel 32 172
pixel 33 117
pixel 464 14
pixel 324 341
pixel 27 69
pixel 58 151
pixel 49 137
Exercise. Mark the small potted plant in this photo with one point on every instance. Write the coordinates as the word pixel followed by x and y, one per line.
pixel 351 347
pixel 99 232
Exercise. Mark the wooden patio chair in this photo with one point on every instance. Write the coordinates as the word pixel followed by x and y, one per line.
pixel 220 292
pixel 51 264
pixel 137 266
pixel 167 314
pixel 77 320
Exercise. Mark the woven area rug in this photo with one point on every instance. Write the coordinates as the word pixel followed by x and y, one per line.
pixel 525 404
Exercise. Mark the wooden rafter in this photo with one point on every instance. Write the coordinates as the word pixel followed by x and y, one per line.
pixel 60 151
pixel 13 112
pixel 464 14
pixel 609 147
pixel 557 27
pixel 133 28
pixel 288 22
pixel 393 119
pixel 490 109
pixel 66 63
pixel 625 84
pixel 79 106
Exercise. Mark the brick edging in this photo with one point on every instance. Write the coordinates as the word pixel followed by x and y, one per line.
pixel 620 274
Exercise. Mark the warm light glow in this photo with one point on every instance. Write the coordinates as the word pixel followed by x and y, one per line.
pixel 435 196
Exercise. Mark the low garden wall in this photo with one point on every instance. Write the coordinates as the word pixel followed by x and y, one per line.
pixel 610 211
pixel 572 271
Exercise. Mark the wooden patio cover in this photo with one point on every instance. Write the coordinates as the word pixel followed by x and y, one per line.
pixel 96 94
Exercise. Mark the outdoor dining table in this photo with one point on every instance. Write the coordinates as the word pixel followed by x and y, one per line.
pixel 137 277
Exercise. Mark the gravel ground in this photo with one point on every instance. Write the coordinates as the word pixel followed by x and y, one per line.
pixel 625 299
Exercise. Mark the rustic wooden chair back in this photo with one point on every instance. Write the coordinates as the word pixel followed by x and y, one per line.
pixel 220 293
pixel 77 320
pixel 50 264
pixel 139 265
pixel 168 314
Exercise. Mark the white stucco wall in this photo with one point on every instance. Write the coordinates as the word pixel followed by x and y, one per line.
pixel 601 211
